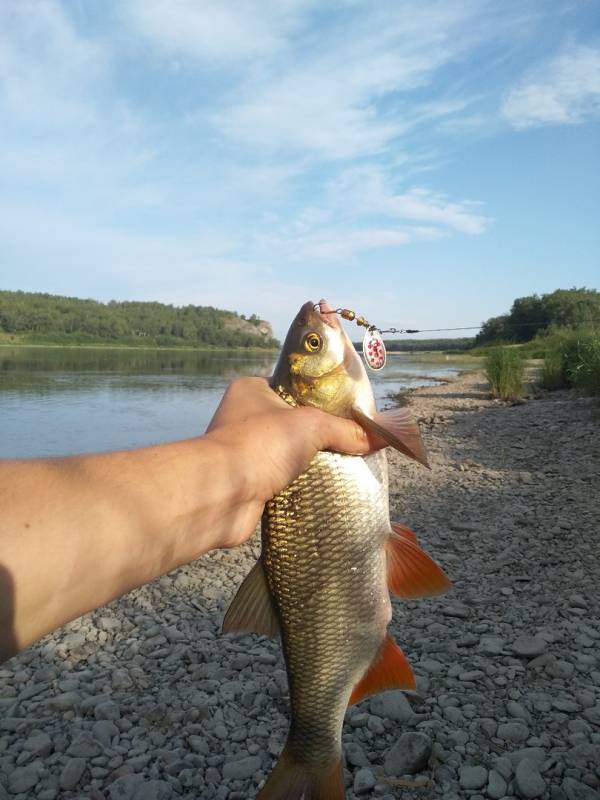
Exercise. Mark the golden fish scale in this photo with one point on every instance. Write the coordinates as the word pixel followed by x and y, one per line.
pixel 323 550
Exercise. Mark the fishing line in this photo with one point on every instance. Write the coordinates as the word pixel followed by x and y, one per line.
pixel 373 346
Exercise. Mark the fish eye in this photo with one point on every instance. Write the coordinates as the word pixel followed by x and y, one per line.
pixel 312 342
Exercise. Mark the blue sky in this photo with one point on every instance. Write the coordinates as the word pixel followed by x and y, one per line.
pixel 424 163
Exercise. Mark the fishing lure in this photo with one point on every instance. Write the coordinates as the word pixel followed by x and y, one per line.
pixel 373 347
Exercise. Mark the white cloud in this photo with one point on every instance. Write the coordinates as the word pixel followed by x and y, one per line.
pixel 370 190
pixel 46 68
pixel 328 102
pixel 562 90
pixel 219 30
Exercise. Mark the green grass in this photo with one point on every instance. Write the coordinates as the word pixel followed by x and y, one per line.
pixel 572 359
pixel 504 370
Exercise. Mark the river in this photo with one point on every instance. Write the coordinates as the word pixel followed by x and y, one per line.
pixel 60 401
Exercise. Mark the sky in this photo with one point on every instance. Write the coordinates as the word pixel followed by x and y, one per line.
pixel 423 163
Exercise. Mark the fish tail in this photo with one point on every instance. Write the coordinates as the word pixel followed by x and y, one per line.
pixel 293 780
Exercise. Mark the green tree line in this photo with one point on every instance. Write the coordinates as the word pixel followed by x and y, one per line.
pixel 45 317
pixel 537 314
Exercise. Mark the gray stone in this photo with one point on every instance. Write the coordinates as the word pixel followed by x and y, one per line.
pixel 84 746
pixel 107 710
pixel 120 680
pixel 73 641
pixel 583 754
pixel 71 773
pixel 409 755
pixel 355 755
pixel 392 705
pixel 154 790
pixel 63 702
pixel 517 710
pixel 22 779
pixel 513 732
pixel 473 777
pixel 104 730
pixel 39 744
pixel 529 646
pixel 504 767
pixel 199 744
pixel 125 788
pixel 528 781
pixel 579 791
pixel 535 754
pixel 592 715
pixel 491 645
pixel 364 781
pixel 242 768
pixel 560 669
pixel 456 610
pixel 496 787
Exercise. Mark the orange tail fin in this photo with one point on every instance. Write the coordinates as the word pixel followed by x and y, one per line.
pixel 292 780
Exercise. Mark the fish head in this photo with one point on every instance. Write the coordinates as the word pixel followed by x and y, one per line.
pixel 319 366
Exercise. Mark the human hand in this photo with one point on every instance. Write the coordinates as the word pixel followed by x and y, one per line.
pixel 271 443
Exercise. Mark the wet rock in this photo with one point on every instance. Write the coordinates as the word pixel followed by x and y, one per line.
pixel 409 755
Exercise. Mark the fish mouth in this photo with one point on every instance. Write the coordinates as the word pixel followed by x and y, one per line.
pixel 322 310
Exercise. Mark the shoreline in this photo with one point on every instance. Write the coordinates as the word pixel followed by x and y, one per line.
pixel 154 348
pixel 145 697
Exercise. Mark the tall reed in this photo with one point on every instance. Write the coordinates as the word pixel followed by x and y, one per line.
pixel 572 358
pixel 504 371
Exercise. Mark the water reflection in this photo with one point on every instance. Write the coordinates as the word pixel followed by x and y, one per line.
pixel 57 401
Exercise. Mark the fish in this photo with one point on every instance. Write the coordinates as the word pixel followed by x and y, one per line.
pixel 330 557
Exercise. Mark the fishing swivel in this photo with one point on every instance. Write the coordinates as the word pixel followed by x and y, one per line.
pixel 373 348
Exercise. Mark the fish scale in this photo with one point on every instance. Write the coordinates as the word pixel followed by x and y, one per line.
pixel 324 559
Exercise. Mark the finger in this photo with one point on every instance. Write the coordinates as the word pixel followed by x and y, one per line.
pixel 347 436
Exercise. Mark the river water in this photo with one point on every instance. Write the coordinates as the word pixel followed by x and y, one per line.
pixel 60 401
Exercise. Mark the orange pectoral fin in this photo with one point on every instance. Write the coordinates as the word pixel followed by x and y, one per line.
pixel 398 428
pixel 389 670
pixel 411 572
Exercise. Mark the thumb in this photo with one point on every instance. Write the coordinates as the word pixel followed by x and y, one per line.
pixel 347 436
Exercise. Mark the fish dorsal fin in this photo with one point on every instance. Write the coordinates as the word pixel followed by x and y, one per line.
pixel 404 532
pixel 389 670
pixel 252 609
pixel 398 428
pixel 411 572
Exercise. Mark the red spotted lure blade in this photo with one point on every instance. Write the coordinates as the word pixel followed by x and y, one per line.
pixel 374 349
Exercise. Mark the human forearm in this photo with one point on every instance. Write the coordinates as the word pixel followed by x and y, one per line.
pixel 75 533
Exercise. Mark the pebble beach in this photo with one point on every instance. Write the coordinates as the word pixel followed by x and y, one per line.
pixel 146 700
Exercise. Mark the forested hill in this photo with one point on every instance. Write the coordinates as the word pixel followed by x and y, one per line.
pixel 36 317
